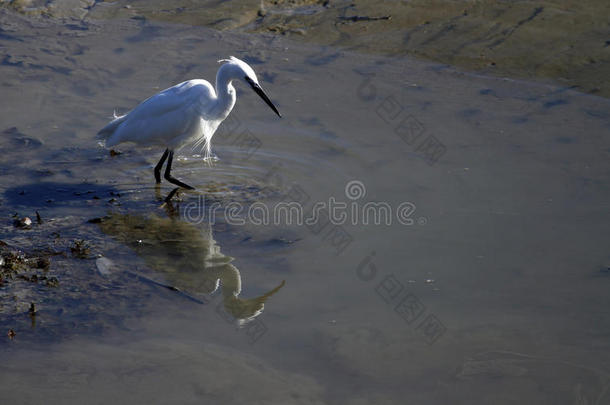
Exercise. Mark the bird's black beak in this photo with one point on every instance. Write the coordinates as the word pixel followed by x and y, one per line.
pixel 258 90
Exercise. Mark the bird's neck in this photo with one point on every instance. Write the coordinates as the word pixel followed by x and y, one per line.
pixel 225 93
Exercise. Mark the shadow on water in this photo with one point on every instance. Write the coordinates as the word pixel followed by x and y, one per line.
pixel 189 259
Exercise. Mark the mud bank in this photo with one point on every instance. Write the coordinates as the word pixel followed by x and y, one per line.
pixel 566 42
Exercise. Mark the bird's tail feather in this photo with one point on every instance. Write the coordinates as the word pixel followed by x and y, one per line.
pixel 112 126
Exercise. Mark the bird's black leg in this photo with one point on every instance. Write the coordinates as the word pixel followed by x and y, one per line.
pixel 168 199
pixel 159 165
pixel 169 177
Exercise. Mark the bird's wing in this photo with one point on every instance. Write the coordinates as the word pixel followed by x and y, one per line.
pixel 165 116
pixel 177 96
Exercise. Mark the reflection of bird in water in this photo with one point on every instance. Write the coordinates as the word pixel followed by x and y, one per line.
pixel 189 258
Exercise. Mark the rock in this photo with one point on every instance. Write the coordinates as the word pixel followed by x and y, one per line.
pixel 104 265
pixel 24 222
pixel 70 8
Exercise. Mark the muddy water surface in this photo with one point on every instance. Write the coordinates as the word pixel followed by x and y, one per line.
pixel 478 273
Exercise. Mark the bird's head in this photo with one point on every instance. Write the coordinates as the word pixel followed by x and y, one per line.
pixel 241 70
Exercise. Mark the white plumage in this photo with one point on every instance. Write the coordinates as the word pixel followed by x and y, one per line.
pixel 187 113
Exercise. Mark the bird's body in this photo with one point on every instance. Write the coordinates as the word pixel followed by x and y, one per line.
pixel 187 113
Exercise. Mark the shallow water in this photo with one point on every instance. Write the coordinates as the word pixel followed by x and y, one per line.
pixel 488 283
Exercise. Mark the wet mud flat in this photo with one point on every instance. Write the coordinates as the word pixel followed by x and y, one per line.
pixel 562 41
pixel 505 254
pixel 56 280
pixel 65 276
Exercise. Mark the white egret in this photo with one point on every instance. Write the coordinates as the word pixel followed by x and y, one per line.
pixel 187 113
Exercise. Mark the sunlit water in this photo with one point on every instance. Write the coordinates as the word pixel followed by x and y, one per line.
pixel 487 282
